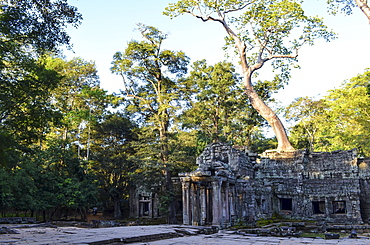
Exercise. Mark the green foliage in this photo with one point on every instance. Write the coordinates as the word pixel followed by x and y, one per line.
pixel 61 179
pixel 150 75
pixel 42 26
pixel 216 106
pixel 260 31
pixel 8 153
pixel 309 114
pixel 269 30
pixel 39 167
pixel 46 180
pixel 348 114
pixel 343 6
pixel 261 143
pixel 337 122
pixel 112 159
pixel 264 222
pixel 164 202
pixel 29 29
pixel 25 107
pixel 80 100
pixel 216 103
pixel 6 193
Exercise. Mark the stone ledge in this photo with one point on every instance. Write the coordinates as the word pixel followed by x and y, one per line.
pixel 18 220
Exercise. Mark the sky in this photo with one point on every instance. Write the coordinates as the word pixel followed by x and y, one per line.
pixel 108 25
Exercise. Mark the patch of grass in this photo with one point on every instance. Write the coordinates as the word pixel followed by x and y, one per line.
pixel 241 226
pixel 276 216
pixel 264 222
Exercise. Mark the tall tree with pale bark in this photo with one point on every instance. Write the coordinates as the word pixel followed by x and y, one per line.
pixel 150 75
pixel 265 31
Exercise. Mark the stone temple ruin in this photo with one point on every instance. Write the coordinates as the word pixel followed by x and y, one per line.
pixel 232 186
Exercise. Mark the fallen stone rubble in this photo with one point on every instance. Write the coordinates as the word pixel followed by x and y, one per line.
pixel 283 231
pixel 18 220
pixel 5 230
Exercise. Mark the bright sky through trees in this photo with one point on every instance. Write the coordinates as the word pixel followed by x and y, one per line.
pixel 109 25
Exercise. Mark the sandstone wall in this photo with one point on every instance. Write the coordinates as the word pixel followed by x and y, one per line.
pixel 321 186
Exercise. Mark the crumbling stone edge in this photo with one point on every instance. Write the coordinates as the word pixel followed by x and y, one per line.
pixel 179 232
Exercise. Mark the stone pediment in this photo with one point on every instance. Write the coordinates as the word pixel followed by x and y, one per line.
pixel 220 159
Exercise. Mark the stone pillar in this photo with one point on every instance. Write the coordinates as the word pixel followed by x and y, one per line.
pixel 216 201
pixel 231 205
pixel 193 203
pixel 226 204
pixel 203 205
pixel 209 205
pixel 150 208
pixel 186 201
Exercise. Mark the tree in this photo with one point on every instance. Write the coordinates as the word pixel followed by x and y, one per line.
pixel 79 99
pixel 216 106
pixel 215 92
pixel 50 180
pixel 309 114
pixel 348 114
pixel 40 26
pixel 8 156
pixel 112 160
pixel 267 31
pixel 25 106
pixel 44 176
pixel 339 121
pixel 29 29
pixel 6 193
pixel 348 5
pixel 363 5
pixel 61 181
pixel 150 74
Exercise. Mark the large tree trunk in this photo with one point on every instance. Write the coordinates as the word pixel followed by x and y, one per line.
pixel 256 101
pixel 362 4
pixel 172 202
pixel 269 115
pixel 163 136
pixel 116 198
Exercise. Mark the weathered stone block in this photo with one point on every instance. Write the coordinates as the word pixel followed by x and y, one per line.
pixel 331 236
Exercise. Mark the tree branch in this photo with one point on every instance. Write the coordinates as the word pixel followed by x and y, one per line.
pixel 237 9
pixel 362 4
pixel 261 61
pixel 142 99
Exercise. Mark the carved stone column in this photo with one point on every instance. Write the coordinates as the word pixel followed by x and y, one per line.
pixel 226 215
pixel 209 207
pixel 203 205
pixel 232 195
pixel 194 203
pixel 186 201
pixel 216 201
